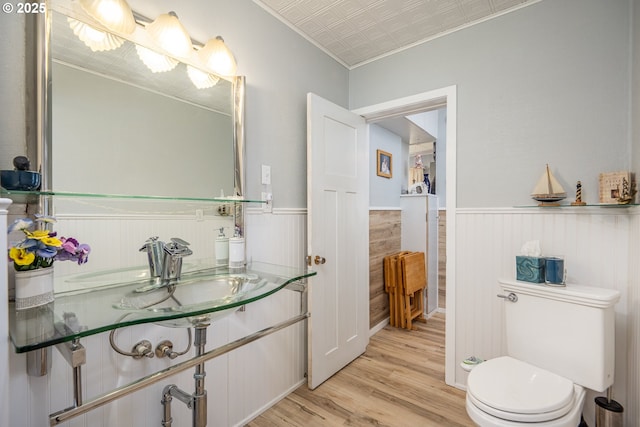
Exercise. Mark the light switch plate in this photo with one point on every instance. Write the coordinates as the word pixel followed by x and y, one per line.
pixel 268 206
pixel 266 175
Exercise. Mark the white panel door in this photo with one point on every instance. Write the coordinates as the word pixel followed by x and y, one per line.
pixel 338 237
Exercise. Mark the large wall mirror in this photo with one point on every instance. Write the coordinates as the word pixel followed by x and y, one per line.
pixel 116 127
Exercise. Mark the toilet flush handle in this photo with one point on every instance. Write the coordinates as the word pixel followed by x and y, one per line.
pixel 511 297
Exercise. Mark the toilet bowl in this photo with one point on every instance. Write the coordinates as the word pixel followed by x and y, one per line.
pixel 506 392
pixel 559 342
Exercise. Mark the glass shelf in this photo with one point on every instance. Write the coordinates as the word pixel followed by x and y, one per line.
pixel 596 205
pixel 121 302
pixel 28 195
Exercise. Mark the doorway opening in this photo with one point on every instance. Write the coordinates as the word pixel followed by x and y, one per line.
pixel 439 98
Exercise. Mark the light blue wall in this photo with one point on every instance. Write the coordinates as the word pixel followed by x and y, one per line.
pixel 280 68
pixel 279 65
pixel 12 93
pixel 548 83
pixel 635 103
pixel 385 192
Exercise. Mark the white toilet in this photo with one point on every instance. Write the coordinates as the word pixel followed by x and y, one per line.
pixel 560 340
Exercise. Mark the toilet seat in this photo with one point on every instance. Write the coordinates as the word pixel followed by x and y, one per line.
pixel 513 390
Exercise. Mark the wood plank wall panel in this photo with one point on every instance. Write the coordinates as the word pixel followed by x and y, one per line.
pixel 442 259
pixel 384 239
pixel 595 243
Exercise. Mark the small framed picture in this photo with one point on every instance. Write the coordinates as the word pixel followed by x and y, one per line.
pixel 384 168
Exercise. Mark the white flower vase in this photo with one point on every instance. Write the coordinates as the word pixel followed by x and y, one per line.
pixel 34 288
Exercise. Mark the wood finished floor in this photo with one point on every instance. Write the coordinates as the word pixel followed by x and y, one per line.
pixel 397 382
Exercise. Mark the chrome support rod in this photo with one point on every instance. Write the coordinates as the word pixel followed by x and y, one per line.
pixel 197 401
pixel 200 395
pixel 167 419
pixel 75 355
pixel 168 393
pixel 67 414
pixel 77 386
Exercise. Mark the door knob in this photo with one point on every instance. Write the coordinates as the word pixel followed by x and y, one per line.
pixel 319 260
pixel 511 297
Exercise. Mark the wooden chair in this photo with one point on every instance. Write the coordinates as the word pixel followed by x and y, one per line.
pixel 393 288
pixel 404 281
pixel 414 280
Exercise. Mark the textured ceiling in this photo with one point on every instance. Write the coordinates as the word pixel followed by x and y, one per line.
pixel 357 31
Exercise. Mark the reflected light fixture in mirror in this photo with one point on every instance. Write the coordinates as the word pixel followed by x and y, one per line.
pixel 115 15
pixel 170 35
pixel 94 39
pixel 201 79
pixel 156 62
pixel 217 57
pixel 166 32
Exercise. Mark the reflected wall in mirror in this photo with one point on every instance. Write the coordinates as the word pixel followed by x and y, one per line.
pixel 108 125
pixel 118 128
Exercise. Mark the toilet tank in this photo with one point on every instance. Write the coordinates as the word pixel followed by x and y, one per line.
pixel 566 330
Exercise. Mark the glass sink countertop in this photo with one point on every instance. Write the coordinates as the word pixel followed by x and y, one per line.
pixel 120 301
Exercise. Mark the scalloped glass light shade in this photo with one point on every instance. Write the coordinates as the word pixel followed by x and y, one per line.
pixel 115 15
pixel 156 62
pixel 96 40
pixel 217 57
pixel 170 35
pixel 201 79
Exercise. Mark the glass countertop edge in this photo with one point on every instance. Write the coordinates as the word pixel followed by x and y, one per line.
pixel 47 193
pixel 161 317
pixel 589 205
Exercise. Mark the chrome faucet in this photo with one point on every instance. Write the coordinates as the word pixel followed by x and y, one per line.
pixel 155 253
pixel 174 251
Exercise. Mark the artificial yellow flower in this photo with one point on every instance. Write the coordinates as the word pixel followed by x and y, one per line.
pixel 51 241
pixel 43 236
pixel 37 234
pixel 21 257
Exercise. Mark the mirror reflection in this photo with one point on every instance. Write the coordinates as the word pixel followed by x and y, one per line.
pixel 119 128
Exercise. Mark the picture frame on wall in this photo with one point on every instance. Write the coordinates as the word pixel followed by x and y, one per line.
pixel 384 164
pixel 616 186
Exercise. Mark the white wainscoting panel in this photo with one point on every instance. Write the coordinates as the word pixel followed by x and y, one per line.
pixel 596 244
pixel 240 384
pixel 601 247
pixel 632 400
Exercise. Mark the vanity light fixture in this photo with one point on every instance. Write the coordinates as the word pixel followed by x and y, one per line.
pixel 201 79
pixel 115 15
pixel 217 57
pixel 166 32
pixel 96 40
pixel 156 62
pixel 170 35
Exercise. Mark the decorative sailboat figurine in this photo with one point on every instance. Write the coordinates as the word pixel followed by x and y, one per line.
pixel 548 190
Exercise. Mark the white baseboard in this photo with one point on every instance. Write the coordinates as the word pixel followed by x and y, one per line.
pixel 378 327
pixel 270 404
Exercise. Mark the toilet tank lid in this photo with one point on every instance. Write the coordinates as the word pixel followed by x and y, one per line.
pixel 574 293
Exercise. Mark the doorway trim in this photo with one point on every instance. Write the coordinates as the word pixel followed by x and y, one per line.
pixel 444 97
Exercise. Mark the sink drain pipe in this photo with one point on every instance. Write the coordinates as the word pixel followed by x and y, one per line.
pixel 197 401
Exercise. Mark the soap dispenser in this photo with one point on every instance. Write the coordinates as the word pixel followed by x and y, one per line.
pixel 222 248
pixel 236 250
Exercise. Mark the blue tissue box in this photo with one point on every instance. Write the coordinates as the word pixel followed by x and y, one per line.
pixel 530 269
